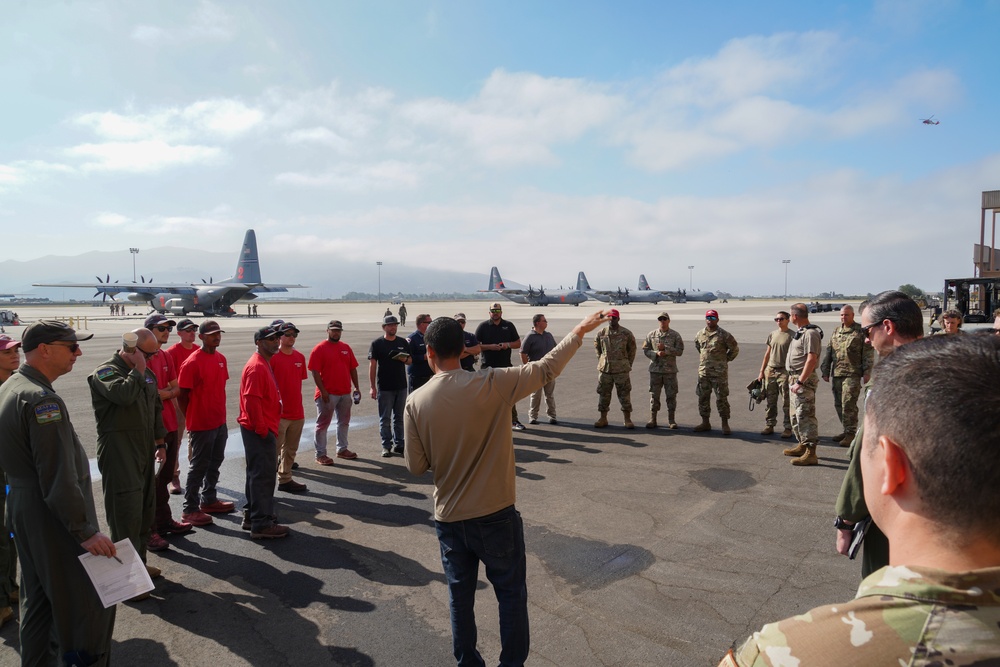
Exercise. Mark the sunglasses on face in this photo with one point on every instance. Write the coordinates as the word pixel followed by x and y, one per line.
pixel 162 328
pixel 292 334
pixel 72 347
pixel 778 319
pixel 866 331
pixel 711 319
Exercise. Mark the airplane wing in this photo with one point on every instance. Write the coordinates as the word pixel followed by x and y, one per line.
pixel 117 288
pixel 516 292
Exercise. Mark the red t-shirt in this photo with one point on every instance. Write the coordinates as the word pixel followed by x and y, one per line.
pixel 334 362
pixel 180 354
pixel 162 366
pixel 289 372
pixel 260 407
pixel 205 376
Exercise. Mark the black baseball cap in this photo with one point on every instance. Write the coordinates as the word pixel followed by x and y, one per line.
pixel 49 331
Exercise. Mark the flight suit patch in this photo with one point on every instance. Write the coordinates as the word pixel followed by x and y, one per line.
pixel 47 413
pixel 107 371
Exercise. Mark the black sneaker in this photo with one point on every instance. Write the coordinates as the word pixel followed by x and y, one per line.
pixel 387 453
pixel 398 449
pixel 553 420
pixel 517 426
pixel 532 421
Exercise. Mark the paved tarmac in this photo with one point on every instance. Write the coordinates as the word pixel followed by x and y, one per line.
pixel 644 547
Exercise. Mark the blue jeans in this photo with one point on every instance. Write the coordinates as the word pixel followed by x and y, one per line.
pixel 498 541
pixel 390 406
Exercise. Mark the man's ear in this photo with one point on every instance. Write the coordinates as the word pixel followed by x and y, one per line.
pixel 431 356
pixel 896 465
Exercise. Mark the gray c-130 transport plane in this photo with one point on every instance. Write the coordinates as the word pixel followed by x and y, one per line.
pixel 209 298
pixel 531 296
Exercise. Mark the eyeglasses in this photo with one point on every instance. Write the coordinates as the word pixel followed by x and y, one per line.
pixel 148 355
pixel 292 334
pixel 72 347
pixel 495 310
pixel 866 330
pixel 710 318
pixel 162 328
pixel 779 319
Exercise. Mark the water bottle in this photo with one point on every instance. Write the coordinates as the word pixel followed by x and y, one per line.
pixel 357 397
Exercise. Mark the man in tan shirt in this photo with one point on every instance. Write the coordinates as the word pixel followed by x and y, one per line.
pixel 472 461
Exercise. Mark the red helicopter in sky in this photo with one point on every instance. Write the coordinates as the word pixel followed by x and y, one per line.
pixel 930 121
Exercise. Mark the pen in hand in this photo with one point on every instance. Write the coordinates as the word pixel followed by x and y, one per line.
pixel 118 559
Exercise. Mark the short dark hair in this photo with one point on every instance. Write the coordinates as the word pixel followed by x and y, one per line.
pixel 800 309
pixel 445 337
pixel 953 314
pixel 785 314
pixel 937 399
pixel 423 317
pixel 898 308
pixel 536 318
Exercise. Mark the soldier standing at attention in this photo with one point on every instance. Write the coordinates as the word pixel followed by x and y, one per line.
pixel 129 417
pixel 662 346
pixel 803 358
pixel 936 602
pixel 51 506
pixel 716 348
pixel 774 376
pixel 849 359
pixel 615 347
pixel 402 314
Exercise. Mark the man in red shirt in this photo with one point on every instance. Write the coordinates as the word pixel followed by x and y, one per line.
pixel 289 366
pixel 334 369
pixel 260 412
pixel 202 380
pixel 179 352
pixel 162 366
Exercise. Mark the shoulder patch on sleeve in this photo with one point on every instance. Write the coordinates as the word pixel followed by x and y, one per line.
pixel 47 413
pixel 105 372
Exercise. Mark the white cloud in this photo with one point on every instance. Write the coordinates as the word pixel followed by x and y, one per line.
pixel 319 135
pixel 109 219
pixel 208 22
pixel 388 175
pixel 22 172
pixel 517 117
pixel 218 119
pixel 141 156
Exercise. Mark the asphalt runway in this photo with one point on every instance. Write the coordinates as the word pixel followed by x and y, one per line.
pixel 645 547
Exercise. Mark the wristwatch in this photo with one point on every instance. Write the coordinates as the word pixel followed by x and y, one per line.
pixel 840 524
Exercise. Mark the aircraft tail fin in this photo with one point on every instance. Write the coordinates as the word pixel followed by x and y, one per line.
pixel 248 266
pixel 643 285
pixel 582 284
pixel 496 282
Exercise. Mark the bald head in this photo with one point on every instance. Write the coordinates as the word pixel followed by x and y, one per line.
pixel 147 341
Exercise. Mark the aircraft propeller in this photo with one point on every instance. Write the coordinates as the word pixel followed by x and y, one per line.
pixel 104 295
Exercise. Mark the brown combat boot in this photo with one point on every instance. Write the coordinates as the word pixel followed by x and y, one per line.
pixel 787 433
pixel 628 420
pixel 797 450
pixel 847 439
pixel 671 421
pixel 768 430
pixel 652 420
pixel 839 436
pixel 603 421
pixel 807 459
pixel 703 426
pixel 725 427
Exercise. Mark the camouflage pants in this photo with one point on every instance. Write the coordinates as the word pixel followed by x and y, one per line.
pixel 775 385
pixel 704 392
pixel 803 407
pixel 846 391
pixel 622 384
pixel 668 383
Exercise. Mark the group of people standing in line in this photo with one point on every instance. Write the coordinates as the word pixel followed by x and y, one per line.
pixel 146 395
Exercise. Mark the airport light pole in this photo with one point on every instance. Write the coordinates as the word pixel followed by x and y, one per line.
pixel 134 251
pixel 379 281
pixel 691 277
pixel 786 262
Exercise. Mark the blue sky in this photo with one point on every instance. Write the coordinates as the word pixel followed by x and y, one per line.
pixel 542 137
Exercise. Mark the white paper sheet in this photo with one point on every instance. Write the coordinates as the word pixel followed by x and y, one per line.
pixel 116 582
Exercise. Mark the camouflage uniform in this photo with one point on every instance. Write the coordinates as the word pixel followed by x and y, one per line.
pixel 776 377
pixel 803 405
pixel 848 358
pixel 900 616
pixel 716 349
pixel 663 370
pixel 615 354
pixel 851 506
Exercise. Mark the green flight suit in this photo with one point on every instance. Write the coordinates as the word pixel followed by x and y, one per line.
pixel 51 510
pixel 128 411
